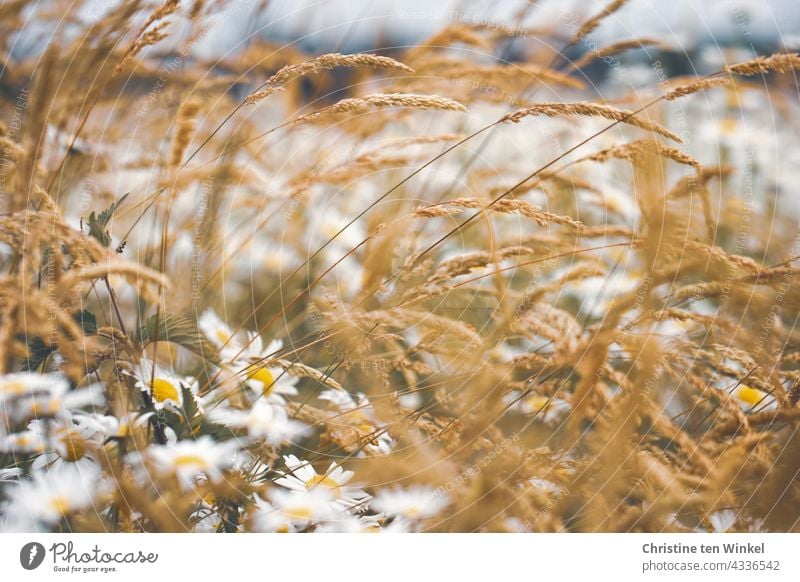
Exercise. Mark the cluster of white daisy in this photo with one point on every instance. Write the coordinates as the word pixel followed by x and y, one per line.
pixel 62 448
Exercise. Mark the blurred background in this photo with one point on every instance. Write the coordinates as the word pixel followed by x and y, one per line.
pixel 349 25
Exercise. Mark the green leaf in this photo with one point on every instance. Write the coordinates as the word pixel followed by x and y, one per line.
pixel 98 223
pixel 190 409
pixel 177 330
pixel 38 351
pixel 87 321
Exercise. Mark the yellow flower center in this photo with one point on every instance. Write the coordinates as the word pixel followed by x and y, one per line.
pixel 324 481
pixel 264 376
pixel 728 125
pixel 274 261
pixel 538 403
pixel 12 387
pixel 164 390
pixel 60 504
pixel 222 337
pixel 751 396
pixel 298 513
pixel 413 512
pixel 74 447
pixel 189 461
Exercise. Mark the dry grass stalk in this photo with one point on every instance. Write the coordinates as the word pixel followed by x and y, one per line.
pixel 185 128
pixel 592 23
pixel 634 151
pixel 324 63
pixel 590 110
pixel 695 86
pixel 356 105
pixel 512 77
pixel 614 49
pixel 504 206
pixel 145 37
pixel 778 63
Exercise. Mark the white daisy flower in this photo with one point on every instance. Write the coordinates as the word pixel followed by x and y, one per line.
pixel 350 523
pixel 326 223
pixel 163 386
pixel 267 518
pixel 76 439
pixel 752 399
pixel 304 509
pixel 11 475
pixel 191 459
pixel 723 520
pixel 544 485
pixel 360 415
pixel 219 334
pixel 515 525
pixel 248 360
pixel 399 525
pixel 413 503
pixel 547 410
pixel 271 382
pixel 205 521
pixel 263 421
pixel 51 495
pixel 28 395
pixel 275 257
pixel 28 441
pixel 301 477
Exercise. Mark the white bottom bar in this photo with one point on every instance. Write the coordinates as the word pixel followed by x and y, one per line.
pixel 335 557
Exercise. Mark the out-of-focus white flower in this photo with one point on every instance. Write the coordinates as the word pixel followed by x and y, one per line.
pixel 78 438
pixel 360 415
pixel 53 494
pixel 192 459
pixel 248 360
pixel 516 525
pixel 413 503
pixel 28 395
pixel 547 410
pixel 219 334
pixel 301 477
pixel 544 485
pixel 11 475
pixel 263 421
pixel 26 442
pixel 597 294
pixel 276 257
pixel 410 400
pixel 339 398
pixel 723 520
pixel 325 223
pixel 399 525
pixel 268 381
pixel 205 521
pixel 349 523
pixel 302 509
pixel 267 518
